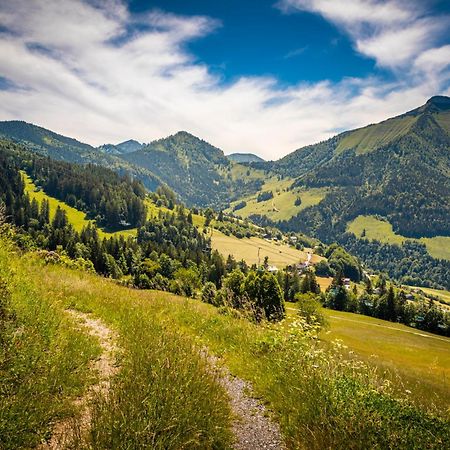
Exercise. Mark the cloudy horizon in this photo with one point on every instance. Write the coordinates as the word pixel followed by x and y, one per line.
pixel 107 71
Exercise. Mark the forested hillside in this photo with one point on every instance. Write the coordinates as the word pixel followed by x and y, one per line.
pixel 62 148
pixel 188 165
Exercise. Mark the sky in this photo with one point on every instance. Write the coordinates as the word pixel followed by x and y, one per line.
pixel 260 76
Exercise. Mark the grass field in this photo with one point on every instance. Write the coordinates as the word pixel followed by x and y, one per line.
pixel 443 295
pixel 165 397
pixel 279 255
pixel 420 359
pixel 381 230
pixel 282 205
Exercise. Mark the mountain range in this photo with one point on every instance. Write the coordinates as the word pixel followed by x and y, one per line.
pixel 398 169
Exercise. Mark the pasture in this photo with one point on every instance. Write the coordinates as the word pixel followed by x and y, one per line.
pixel 381 230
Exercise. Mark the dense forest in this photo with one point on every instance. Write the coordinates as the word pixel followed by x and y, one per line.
pixel 111 200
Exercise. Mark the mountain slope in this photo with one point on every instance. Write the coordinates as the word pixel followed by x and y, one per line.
pixel 62 148
pixel 363 140
pixel 122 148
pixel 189 165
pixel 405 178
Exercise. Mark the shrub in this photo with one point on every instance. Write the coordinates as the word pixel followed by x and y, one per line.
pixel 309 308
pixel 209 293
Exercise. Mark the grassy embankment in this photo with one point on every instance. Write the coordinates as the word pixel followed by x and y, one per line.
pixel 376 229
pixel 164 397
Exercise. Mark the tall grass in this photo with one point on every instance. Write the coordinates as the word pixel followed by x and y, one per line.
pixel 43 358
pixel 165 395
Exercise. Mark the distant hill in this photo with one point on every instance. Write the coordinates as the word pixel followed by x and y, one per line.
pixel 189 165
pixel 122 148
pixel 244 157
pixel 63 148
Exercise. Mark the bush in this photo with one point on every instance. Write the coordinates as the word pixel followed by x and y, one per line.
pixel 309 308
pixel 264 196
pixel 209 293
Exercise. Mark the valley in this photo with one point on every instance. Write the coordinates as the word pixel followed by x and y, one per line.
pixel 281 272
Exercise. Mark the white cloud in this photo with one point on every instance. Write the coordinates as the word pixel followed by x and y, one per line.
pixel 393 32
pixel 88 71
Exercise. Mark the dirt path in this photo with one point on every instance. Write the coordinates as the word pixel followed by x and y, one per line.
pixel 253 429
pixel 105 366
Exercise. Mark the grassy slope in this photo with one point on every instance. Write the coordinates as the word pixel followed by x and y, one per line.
pixel 421 359
pixel 43 356
pixel 282 206
pixel 374 136
pixel 443 295
pixel 164 397
pixel 438 247
pixel 76 218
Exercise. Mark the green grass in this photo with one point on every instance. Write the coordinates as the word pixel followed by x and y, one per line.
pixel 371 137
pixel 76 218
pixel 438 246
pixel 443 119
pixel 43 356
pixel 279 254
pixel 381 230
pixel 165 397
pixel 444 296
pixel 420 359
pixel 282 206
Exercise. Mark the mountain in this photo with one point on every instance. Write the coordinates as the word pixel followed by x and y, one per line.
pixel 399 169
pixel 364 140
pixel 190 166
pixel 244 158
pixel 46 142
pixel 63 148
pixel 122 148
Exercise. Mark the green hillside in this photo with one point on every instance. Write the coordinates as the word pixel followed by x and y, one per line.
pixel 62 148
pixel 163 390
pixel 370 227
pixel 398 170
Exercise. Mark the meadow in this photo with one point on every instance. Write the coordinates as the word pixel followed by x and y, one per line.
pixel 282 206
pixel 381 230
pixel 279 254
pixel 415 360
pixel 164 395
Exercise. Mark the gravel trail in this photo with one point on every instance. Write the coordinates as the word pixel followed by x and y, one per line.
pixel 253 428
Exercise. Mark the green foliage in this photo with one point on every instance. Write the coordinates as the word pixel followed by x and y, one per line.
pixel 209 293
pixel 257 291
pixel 309 307
pixel 309 283
pixel 43 356
pixel 264 196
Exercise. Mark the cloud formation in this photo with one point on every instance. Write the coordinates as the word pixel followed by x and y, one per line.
pixel 94 71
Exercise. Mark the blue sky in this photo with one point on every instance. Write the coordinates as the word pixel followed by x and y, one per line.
pixel 258 75
pixel 256 38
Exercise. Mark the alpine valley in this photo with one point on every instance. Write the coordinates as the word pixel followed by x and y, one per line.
pixel 382 191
